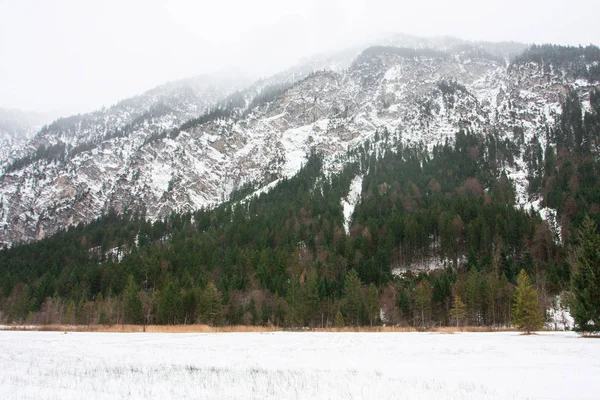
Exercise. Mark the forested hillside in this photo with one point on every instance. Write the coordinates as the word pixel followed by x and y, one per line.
pixel 437 238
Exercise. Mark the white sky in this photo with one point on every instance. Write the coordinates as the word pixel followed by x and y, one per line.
pixel 78 55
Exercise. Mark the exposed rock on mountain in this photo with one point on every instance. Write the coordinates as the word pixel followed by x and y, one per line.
pixel 189 145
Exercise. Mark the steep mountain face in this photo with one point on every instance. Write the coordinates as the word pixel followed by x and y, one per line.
pixel 146 154
pixel 161 108
pixel 401 189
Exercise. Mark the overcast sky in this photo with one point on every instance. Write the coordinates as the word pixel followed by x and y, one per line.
pixel 77 55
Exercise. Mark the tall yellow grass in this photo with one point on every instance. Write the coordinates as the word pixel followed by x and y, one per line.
pixel 199 328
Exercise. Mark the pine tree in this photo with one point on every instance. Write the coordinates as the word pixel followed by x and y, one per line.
pixel 458 310
pixel 527 315
pixel 339 320
pixel 372 303
pixel 169 304
pixel 295 316
pixel 210 304
pixel 473 296
pixel 312 304
pixel 585 283
pixel 133 306
pixel 423 300
pixel 353 299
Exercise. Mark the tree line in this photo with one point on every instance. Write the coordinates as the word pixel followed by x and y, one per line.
pixel 284 258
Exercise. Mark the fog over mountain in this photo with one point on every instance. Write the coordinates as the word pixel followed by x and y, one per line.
pixel 69 56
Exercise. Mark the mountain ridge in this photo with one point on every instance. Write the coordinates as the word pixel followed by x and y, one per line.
pixel 147 161
pixel 411 188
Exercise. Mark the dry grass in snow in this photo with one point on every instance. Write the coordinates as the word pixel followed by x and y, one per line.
pixel 286 365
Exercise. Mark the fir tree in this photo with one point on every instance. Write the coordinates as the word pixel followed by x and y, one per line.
pixel 339 320
pixel 423 300
pixel 169 304
pixel 210 305
pixel 372 303
pixel 312 301
pixel 353 300
pixel 585 283
pixel 527 316
pixel 458 310
pixel 133 306
pixel 294 300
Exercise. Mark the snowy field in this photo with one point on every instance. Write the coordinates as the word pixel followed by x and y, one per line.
pixel 53 365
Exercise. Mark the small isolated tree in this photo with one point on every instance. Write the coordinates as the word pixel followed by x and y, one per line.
pixel 526 316
pixel 353 298
pixel 458 310
pixel 133 306
pixel 423 300
pixel 295 316
pixel 147 304
pixel 169 304
pixel 210 305
pixel 372 303
pixel 339 320
pixel 585 283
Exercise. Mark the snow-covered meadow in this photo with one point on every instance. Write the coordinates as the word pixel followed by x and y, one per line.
pixel 53 365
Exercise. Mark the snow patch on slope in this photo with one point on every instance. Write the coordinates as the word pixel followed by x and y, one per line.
pixel 350 202
pixel 264 189
pixel 518 174
pixel 161 176
pixel 549 215
pixel 427 264
pixel 295 142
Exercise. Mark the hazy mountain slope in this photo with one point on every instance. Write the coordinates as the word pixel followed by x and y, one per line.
pixel 16 126
pixel 130 156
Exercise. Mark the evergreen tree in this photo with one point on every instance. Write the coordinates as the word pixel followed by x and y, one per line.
pixel 527 315
pixel 295 304
pixel 585 283
pixel 473 296
pixel 458 310
pixel 312 303
pixel 169 304
pixel 133 305
pixel 353 299
pixel 339 320
pixel 210 305
pixel 372 303
pixel 423 300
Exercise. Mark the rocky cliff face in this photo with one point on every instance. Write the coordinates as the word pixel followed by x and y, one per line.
pixel 141 155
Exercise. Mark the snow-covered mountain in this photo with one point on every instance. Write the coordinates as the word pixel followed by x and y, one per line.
pixel 189 144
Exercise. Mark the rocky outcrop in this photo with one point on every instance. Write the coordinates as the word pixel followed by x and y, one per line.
pixel 129 157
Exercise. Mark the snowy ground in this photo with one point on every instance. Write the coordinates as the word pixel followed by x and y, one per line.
pixel 52 365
